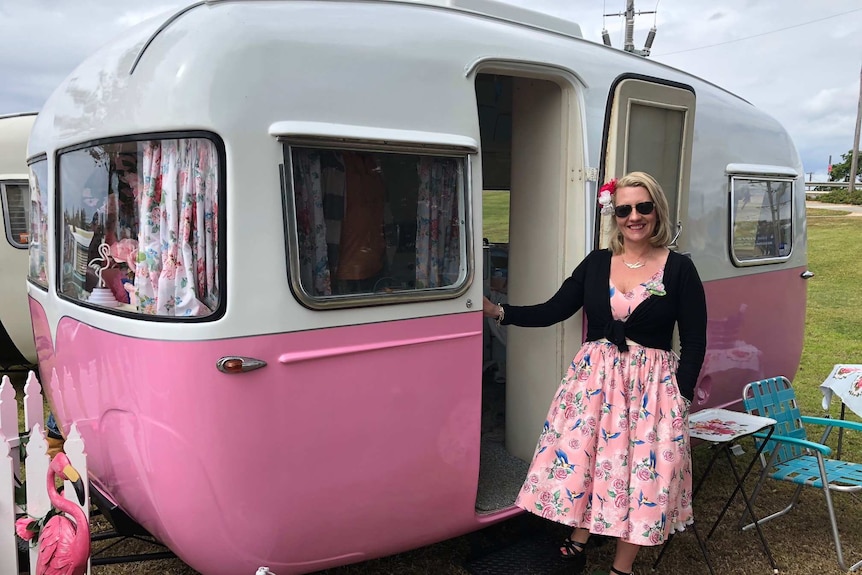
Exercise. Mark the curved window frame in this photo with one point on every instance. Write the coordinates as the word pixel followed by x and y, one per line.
pixel 222 230
pixel 740 172
pixel 43 245
pixel 366 142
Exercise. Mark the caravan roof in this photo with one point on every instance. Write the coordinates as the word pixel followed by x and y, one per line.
pixel 496 10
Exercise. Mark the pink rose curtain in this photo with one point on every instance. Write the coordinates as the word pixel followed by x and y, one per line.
pixel 38 239
pixel 310 222
pixel 438 240
pixel 176 272
pixel 438 228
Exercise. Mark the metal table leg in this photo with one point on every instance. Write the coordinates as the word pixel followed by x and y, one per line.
pixel 740 488
pixel 702 543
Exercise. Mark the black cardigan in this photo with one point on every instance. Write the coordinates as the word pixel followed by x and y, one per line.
pixel 650 324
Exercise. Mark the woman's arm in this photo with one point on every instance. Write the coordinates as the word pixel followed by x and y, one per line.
pixel 691 317
pixel 562 305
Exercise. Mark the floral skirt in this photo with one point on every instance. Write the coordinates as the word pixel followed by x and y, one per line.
pixel 613 456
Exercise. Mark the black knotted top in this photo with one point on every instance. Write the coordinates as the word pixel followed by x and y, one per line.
pixel 615 332
pixel 652 322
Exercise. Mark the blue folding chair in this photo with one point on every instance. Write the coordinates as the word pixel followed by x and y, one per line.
pixel 793 458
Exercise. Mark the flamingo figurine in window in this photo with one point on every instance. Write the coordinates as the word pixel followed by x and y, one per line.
pixel 64 544
pixel 102 295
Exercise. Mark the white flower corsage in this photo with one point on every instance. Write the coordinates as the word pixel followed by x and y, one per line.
pixel 655 288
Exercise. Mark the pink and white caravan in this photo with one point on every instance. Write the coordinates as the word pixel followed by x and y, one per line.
pixel 262 271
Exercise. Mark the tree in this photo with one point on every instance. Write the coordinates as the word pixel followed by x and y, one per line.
pixel 841 172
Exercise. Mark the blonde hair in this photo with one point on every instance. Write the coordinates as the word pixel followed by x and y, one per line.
pixel 663 233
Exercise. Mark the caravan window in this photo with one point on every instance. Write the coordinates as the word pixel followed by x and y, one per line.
pixel 370 225
pixel 37 234
pixel 140 220
pixel 762 219
pixel 16 212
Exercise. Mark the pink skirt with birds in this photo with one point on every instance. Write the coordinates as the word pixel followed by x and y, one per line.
pixel 613 456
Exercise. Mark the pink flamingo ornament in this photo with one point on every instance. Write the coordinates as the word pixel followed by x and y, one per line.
pixel 64 545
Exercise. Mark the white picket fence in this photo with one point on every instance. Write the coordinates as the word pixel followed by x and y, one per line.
pixel 36 465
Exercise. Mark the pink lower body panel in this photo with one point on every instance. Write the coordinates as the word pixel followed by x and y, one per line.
pixel 352 443
pixel 755 330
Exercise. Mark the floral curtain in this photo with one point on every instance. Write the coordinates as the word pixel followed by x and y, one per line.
pixel 177 263
pixel 38 231
pixel 311 225
pixel 438 238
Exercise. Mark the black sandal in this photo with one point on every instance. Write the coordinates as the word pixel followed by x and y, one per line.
pixel 572 557
pixel 618 572
pixel 574 552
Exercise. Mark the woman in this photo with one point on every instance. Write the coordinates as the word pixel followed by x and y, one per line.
pixel 613 457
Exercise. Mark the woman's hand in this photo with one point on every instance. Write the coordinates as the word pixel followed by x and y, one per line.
pixel 490 309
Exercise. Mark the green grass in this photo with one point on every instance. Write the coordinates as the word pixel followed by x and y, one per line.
pixel 820 212
pixel 495 217
pixel 833 326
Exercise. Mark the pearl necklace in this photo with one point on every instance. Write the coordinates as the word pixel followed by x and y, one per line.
pixel 634 266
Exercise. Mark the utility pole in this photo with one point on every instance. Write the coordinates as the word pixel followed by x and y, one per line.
pixel 629 45
pixel 854 156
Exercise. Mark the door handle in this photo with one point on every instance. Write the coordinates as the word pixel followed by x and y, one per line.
pixel 239 364
pixel 676 235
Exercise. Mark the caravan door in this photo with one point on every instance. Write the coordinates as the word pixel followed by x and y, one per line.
pixel 650 128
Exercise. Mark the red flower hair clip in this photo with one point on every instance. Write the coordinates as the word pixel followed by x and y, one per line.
pixel 605 193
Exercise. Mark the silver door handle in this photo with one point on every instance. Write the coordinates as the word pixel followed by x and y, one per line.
pixel 678 232
pixel 239 364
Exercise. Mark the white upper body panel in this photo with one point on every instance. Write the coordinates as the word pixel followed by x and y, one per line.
pixel 246 71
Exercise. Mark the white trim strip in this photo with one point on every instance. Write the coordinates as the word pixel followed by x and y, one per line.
pixel 760 170
pixel 371 134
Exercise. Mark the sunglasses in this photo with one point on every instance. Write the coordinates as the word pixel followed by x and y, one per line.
pixel 625 210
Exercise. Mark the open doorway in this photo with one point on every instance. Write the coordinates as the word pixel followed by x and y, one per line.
pixel 524 134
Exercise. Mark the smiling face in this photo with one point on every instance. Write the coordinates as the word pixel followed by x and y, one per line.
pixel 636 228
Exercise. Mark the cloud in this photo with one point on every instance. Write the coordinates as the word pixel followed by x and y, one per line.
pixel 135 17
pixel 44 41
pixel 803 76
pixel 828 100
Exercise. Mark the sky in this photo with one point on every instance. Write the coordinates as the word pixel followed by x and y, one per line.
pixel 797 60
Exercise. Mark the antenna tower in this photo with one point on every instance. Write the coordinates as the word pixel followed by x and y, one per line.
pixel 629 45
